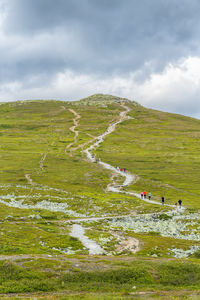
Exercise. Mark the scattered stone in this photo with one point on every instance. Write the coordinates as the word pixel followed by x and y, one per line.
pixel 37 217
pixel 8 217
pixel 154 255
pixel 175 227
pixel 180 253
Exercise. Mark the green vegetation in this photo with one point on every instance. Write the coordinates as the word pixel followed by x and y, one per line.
pixel 37 275
pixel 163 149
pixel 47 182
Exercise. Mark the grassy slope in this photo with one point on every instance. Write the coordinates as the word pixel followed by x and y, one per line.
pixel 106 277
pixel 161 148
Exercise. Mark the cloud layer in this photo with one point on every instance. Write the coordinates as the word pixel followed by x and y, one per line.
pixel 67 49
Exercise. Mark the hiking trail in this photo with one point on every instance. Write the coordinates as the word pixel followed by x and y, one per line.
pixel 129 178
pixel 29 179
pixel 73 129
pixel 131 243
pixel 77 230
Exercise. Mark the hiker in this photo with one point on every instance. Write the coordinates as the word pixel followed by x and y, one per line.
pixel 145 195
pixel 163 200
pixel 175 204
pixel 121 169
pixel 149 196
pixel 124 170
pixel 180 203
pixel 141 194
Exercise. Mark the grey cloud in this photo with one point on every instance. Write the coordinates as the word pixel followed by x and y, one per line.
pixel 115 36
pixel 99 38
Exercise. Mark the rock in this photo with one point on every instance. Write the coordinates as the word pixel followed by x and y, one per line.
pixel 8 217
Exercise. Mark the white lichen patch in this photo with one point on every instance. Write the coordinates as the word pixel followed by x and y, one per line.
pixel 105 240
pixel 173 227
pixel 180 253
pixel 17 201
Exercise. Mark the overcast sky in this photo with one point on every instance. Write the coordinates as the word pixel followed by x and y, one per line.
pixel 146 50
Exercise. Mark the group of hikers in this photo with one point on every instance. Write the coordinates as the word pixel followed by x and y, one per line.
pixel 121 169
pixel 144 196
pixel 96 159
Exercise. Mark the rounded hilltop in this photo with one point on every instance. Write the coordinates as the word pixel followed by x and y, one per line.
pixel 103 99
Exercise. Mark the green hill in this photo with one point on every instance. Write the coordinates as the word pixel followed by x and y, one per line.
pixel 47 183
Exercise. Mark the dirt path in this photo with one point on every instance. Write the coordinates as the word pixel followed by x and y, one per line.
pixel 73 128
pixel 129 178
pixel 85 219
pixel 79 232
pixel 130 244
pixel 42 161
pixel 29 179
pixel 41 168
pixel 76 133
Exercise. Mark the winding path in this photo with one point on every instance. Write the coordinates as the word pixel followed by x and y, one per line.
pixel 29 179
pixel 42 161
pixel 129 178
pixel 73 128
pixel 78 230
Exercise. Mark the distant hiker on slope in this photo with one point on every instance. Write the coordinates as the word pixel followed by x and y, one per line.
pixel 121 169
pixel 145 195
pixel 180 203
pixel 163 200
pixel 149 196
pixel 141 194
pixel 124 170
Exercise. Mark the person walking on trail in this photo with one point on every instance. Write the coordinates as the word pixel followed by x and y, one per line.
pixel 180 203
pixel 145 195
pixel 141 194
pixel 149 195
pixel 163 200
pixel 121 169
pixel 124 170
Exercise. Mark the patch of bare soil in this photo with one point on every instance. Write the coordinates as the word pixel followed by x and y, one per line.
pixel 29 179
